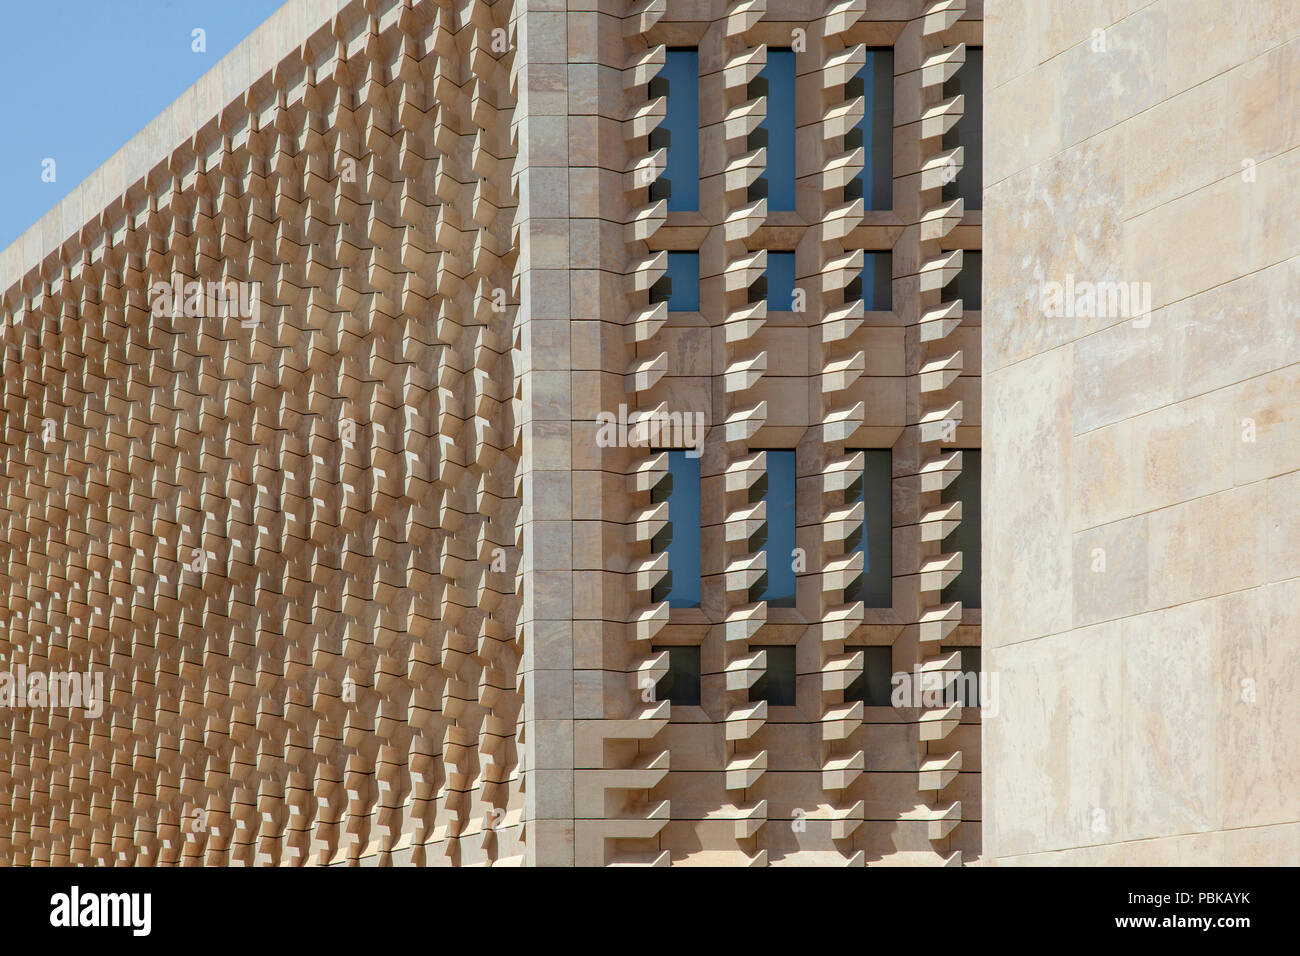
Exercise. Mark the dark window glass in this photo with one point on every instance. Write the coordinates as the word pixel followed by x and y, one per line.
pixel 966 537
pixel 681 684
pixel 777 536
pixel 876 538
pixel 780 281
pixel 875 284
pixel 681 536
pixel 777 684
pixel 966 689
pixel 680 285
pixel 874 686
pixel 875 131
pixel 968 131
pixel 680 130
pixel 967 284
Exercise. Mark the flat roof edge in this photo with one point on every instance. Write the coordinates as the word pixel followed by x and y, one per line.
pixel 256 55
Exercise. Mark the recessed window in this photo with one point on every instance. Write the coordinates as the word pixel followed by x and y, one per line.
pixel 967 132
pixel 966 286
pixel 679 286
pixel 777 684
pixel 680 537
pixel 966 536
pixel 681 684
pixel 776 81
pixel 875 284
pixel 875 131
pixel 875 539
pixel 679 81
pixel 874 685
pixel 966 690
pixel 776 537
pixel 780 281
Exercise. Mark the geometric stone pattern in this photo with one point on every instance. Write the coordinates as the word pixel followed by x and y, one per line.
pixel 1140 508
pixel 362 585
pixel 940 413
pixel 275 538
pixel 824 783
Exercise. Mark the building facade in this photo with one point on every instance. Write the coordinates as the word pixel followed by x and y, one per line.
pixel 515 432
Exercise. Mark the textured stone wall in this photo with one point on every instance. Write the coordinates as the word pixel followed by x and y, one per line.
pixel 1143 594
pixel 360 581
pixel 285 541
pixel 826 782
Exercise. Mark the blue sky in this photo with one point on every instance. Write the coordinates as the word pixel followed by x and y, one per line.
pixel 78 78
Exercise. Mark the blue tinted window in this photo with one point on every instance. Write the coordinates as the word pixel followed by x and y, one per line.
pixel 682 128
pixel 779 125
pixel 966 538
pixel 876 539
pixel 777 585
pixel 780 281
pixel 877 281
pixel 681 537
pixel 875 131
pixel 968 131
pixel 680 285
